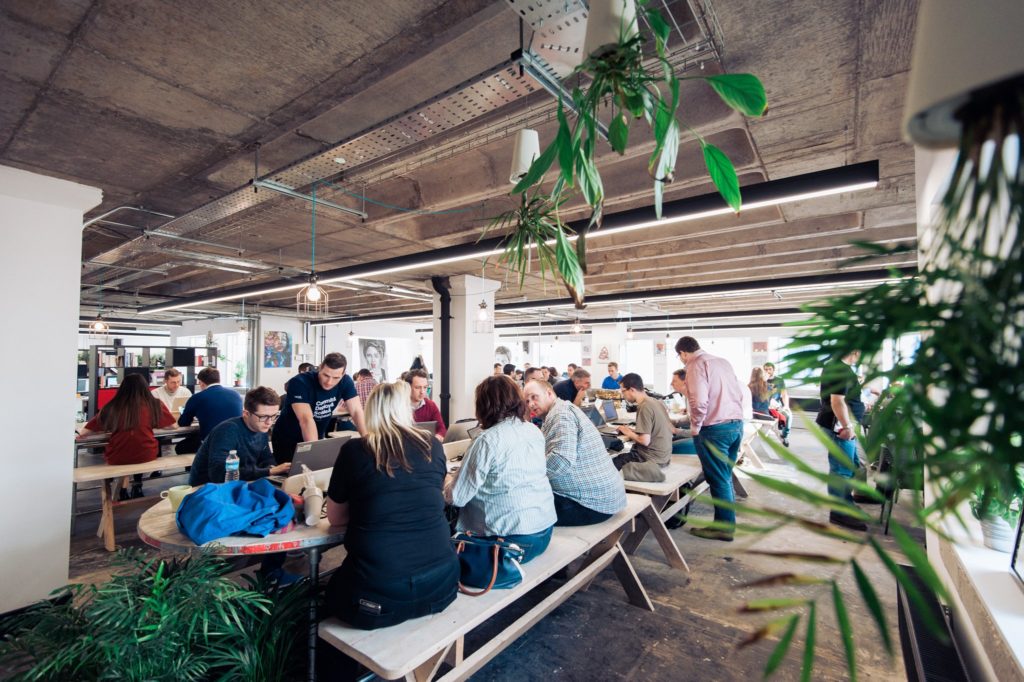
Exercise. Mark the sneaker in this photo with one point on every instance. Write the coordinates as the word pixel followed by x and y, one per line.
pixel 712 534
pixel 123 495
pixel 846 521
pixel 156 474
pixel 785 442
pixel 137 492
pixel 676 521
pixel 865 499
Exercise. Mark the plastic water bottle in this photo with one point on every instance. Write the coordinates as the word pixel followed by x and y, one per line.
pixel 231 466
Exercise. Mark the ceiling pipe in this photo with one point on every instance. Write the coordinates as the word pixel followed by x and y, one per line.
pixel 652 319
pixel 292 192
pixel 772 192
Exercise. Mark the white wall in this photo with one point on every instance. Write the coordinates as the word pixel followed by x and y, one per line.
pixel 401 340
pixel 41 224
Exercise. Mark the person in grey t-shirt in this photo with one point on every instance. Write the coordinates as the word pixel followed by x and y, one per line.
pixel 652 435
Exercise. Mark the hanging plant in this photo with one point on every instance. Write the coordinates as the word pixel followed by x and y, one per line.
pixel 618 77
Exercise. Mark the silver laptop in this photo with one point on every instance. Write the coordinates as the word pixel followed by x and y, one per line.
pixel 474 432
pixel 427 426
pixel 316 454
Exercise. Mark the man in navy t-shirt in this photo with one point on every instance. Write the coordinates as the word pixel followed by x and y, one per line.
pixel 309 401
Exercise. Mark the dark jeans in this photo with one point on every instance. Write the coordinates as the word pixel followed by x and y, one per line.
pixel 725 439
pixel 572 513
pixel 189 444
pixel 284 449
pixel 533 544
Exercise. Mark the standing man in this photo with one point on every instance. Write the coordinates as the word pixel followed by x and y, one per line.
pixel 715 402
pixel 172 390
pixel 777 391
pixel 611 382
pixel 247 436
pixel 840 406
pixel 423 408
pixel 211 405
pixel 574 389
pixel 651 436
pixel 309 402
pixel 587 487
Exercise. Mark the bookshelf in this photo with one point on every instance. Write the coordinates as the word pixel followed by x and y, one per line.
pixel 107 366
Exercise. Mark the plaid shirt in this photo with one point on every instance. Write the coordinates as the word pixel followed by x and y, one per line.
pixel 363 387
pixel 579 466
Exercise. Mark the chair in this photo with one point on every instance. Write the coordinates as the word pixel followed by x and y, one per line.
pixel 896 474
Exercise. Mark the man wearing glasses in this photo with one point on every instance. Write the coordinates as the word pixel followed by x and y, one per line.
pixel 247 436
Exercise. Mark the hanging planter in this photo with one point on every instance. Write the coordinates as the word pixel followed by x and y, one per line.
pixel 618 77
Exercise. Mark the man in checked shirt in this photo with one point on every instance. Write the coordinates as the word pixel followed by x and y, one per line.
pixel 587 487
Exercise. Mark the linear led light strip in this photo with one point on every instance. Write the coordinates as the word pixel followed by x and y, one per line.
pixel 799 188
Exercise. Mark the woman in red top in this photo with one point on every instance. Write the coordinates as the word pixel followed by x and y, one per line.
pixel 130 418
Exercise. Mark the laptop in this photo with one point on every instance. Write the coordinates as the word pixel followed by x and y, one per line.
pixel 316 454
pixel 610 413
pixel 177 405
pixel 474 432
pixel 427 426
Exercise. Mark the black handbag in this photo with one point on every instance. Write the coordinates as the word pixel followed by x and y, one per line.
pixel 487 564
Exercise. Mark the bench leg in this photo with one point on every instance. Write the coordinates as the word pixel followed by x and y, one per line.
pixel 428 668
pixel 635 591
pixel 108 489
pixel 738 487
pixel 632 541
pixel 668 545
pixel 456 652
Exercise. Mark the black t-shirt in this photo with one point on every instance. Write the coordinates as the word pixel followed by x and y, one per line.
pixel 305 388
pixel 396 524
pixel 566 390
pixel 838 378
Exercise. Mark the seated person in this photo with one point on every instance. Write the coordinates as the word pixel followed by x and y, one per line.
pixel 247 436
pixel 364 384
pixel 779 394
pixel 211 405
pixel 310 400
pixel 502 486
pixel 652 435
pixel 386 488
pixel 587 487
pixel 760 395
pixel 129 418
pixel 423 408
pixel 682 439
pixel 611 382
pixel 574 389
pixel 172 389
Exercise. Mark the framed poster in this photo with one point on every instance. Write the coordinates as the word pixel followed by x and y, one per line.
pixel 374 352
pixel 277 349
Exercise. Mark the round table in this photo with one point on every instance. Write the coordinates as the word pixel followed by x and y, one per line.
pixel 158 528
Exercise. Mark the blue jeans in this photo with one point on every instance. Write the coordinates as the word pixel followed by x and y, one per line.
pixel 572 513
pixel 837 468
pixel 684 446
pixel 725 438
pixel 533 544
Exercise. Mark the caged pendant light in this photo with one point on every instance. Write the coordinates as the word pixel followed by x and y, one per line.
pixel 312 299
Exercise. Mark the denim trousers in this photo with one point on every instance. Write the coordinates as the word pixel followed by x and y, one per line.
pixel 725 439
pixel 572 513
pixel 837 468
pixel 684 446
pixel 533 544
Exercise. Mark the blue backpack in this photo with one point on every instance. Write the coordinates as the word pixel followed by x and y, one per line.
pixel 233 508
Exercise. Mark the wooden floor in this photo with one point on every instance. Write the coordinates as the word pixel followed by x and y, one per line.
pixel 696 627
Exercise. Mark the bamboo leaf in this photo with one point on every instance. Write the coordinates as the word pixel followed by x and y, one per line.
pixel 538 168
pixel 798 556
pixel 867 591
pixel 920 604
pixel 812 624
pixel 919 559
pixel 723 175
pixel 618 133
pixel 779 653
pixel 766 631
pixel 784 579
pixel 743 92
pixel 845 631
pixel 771 604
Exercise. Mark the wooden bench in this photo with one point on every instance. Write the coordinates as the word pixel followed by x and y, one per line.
pixel 415 649
pixel 110 476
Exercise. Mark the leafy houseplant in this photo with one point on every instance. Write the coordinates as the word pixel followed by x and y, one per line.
pixel 240 370
pixel 159 620
pixel 618 78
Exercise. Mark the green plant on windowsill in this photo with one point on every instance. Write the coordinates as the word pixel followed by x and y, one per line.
pixel 1004 503
pixel 240 370
pixel 620 79
pixel 182 619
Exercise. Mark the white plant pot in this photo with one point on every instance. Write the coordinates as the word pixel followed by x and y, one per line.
pixel 607 20
pixel 525 152
pixel 998 534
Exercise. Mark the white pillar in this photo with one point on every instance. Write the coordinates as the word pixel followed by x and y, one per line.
pixel 472 342
pixel 40 273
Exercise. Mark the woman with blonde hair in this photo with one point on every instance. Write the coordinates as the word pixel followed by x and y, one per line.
pixel 760 394
pixel 386 488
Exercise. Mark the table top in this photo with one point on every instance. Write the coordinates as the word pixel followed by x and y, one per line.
pixel 174 431
pixel 157 528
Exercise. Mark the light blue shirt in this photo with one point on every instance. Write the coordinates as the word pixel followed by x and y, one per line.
pixel 503 485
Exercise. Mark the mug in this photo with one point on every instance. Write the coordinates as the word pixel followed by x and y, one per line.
pixel 176 494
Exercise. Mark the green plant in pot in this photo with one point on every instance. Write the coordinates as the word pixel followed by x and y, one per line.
pixel 240 370
pixel 998 511
pixel 632 86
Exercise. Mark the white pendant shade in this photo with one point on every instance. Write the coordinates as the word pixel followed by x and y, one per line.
pixel 607 21
pixel 526 150
pixel 960 47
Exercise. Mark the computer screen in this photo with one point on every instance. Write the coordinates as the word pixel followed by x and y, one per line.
pixel 610 412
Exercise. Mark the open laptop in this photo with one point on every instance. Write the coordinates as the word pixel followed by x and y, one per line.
pixel 427 426
pixel 177 405
pixel 316 454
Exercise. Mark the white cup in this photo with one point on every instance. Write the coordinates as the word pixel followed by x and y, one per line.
pixel 176 494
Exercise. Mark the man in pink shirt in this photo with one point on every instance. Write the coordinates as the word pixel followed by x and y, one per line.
pixel 715 400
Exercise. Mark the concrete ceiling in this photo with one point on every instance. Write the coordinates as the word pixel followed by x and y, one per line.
pixel 162 105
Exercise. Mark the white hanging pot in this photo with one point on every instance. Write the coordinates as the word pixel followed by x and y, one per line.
pixel 526 150
pixel 607 21
pixel 997 534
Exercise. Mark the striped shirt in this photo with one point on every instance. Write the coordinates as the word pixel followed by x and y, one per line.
pixel 503 486
pixel 578 463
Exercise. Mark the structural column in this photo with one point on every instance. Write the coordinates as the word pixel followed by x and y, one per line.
pixel 40 273
pixel 471 342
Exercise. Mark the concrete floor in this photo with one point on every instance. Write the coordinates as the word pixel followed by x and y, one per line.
pixel 696 628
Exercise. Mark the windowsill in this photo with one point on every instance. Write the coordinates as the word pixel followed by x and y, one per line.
pixel 991 596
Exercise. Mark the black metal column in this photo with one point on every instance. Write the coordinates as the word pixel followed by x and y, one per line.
pixel 442 376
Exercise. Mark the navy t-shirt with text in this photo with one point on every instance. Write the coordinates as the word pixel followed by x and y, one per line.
pixel 305 388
